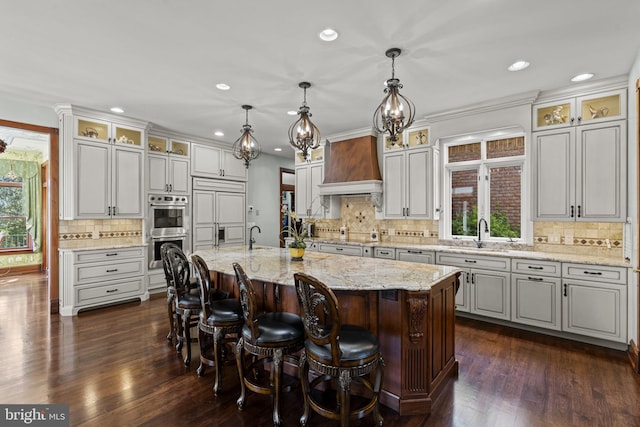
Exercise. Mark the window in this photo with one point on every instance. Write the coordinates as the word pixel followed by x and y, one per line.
pixel 484 179
pixel 13 221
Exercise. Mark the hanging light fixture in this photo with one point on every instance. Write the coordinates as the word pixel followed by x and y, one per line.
pixel 303 134
pixel 246 147
pixel 396 112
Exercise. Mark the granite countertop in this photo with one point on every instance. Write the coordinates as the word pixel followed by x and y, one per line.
pixel 490 251
pixel 105 247
pixel 274 265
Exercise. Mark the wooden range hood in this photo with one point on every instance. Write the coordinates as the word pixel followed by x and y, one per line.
pixel 352 168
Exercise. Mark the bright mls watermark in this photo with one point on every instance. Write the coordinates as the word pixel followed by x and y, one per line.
pixel 55 415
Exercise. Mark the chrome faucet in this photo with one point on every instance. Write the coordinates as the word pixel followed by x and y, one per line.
pixel 486 230
pixel 251 239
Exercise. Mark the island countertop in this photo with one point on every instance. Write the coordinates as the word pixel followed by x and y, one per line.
pixel 274 265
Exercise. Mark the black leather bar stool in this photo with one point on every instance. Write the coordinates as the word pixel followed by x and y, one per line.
pixel 187 303
pixel 337 353
pixel 220 322
pixel 270 339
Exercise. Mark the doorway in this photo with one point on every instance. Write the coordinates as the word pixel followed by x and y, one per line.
pixel 287 199
pixel 21 134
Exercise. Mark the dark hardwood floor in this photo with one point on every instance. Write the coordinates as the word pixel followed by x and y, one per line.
pixel 113 367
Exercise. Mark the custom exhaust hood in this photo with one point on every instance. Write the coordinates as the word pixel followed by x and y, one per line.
pixel 351 168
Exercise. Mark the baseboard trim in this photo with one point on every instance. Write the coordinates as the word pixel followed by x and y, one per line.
pixel 54 307
pixel 634 356
pixel 22 269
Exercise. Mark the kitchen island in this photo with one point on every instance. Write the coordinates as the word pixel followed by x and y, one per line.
pixel 409 306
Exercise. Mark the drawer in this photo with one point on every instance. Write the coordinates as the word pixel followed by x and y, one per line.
pixel 474 261
pixel 108 254
pixel 415 255
pixel 109 270
pixel 596 273
pixel 387 253
pixel 340 249
pixel 542 268
pixel 108 292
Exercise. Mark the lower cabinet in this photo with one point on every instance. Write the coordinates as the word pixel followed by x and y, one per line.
pixel 536 293
pixel 92 278
pixel 336 248
pixel 416 255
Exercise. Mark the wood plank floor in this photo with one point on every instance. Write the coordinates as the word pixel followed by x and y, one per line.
pixel 113 367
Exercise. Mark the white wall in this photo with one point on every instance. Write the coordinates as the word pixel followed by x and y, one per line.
pixel 18 111
pixel 264 195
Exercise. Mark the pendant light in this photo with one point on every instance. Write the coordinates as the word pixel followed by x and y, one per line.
pixel 246 147
pixel 396 112
pixel 303 134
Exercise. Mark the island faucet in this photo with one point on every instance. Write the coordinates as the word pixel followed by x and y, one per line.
pixel 486 230
pixel 251 239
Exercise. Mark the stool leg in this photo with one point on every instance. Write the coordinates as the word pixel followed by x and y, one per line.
pixel 204 341
pixel 179 330
pixel 277 370
pixel 376 391
pixel 240 363
pixel 171 313
pixel 217 359
pixel 303 370
pixel 186 317
pixel 344 389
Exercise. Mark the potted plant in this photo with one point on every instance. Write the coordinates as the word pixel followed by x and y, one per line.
pixel 296 233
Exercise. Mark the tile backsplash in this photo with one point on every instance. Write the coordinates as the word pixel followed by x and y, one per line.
pixel 99 233
pixel 358 215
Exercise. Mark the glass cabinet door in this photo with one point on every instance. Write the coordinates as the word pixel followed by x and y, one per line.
pixel 393 145
pixel 93 130
pixel 126 135
pixel 553 114
pixel 156 144
pixel 418 137
pixel 317 155
pixel 179 148
pixel 602 107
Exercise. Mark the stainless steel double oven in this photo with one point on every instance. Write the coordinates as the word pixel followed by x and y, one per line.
pixel 168 222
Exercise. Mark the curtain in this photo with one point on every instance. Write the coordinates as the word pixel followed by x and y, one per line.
pixel 31 194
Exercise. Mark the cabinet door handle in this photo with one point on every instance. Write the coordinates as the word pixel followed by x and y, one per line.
pixel 109 291
pixel 565 290
pixel 467 277
pixel 473 279
pixel 170 187
pixel 113 270
pixel 114 211
pixel 112 254
pixel 536 279
pixel 579 211
pixel 572 120
pixel 407 211
pixel 594 273
pixel 534 267
pixel 109 209
pixel 571 211
pixel 579 119
pixel 470 261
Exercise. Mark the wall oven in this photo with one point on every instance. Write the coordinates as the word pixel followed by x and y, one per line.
pixel 168 222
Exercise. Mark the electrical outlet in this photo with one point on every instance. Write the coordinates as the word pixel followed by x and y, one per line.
pixel 568 238
pixel 392 231
pixel 426 232
pixel 554 238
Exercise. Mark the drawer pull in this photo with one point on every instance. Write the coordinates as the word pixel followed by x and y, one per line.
pixel 112 271
pixel 535 268
pixel 112 254
pixel 384 253
pixel 339 249
pixel 536 279
pixel 110 291
pixel 594 273
pixel 470 261
pixel 414 252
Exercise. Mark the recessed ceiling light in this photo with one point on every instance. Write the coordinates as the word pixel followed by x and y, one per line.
pixel 328 35
pixel 292 113
pixel 223 86
pixel 218 133
pixel 117 110
pixel 277 149
pixel 518 65
pixel 582 77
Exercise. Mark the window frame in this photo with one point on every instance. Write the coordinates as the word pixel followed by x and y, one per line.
pixel 22 249
pixel 483 166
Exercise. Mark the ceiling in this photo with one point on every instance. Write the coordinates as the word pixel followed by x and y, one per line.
pixel 161 59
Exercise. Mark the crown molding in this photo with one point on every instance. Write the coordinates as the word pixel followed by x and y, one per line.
pixel 517 100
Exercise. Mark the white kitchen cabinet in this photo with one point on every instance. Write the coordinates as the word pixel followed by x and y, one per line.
pixel 484 285
pixel 576 111
pixel 386 253
pixel 580 174
pixel 108 181
pixel 536 293
pixel 336 248
pixel 101 165
pixel 168 166
pixel 409 183
pixel 594 301
pixel 416 255
pixel 218 217
pixel 214 162
pixel 309 203
pixel 93 278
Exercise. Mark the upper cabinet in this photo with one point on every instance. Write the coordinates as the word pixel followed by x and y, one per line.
pixel 592 108
pixel 102 166
pixel 410 169
pixel 310 174
pixel 168 165
pixel 214 162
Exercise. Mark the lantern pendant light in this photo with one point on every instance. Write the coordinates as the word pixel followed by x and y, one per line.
pixel 396 112
pixel 246 147
pixel 303 134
